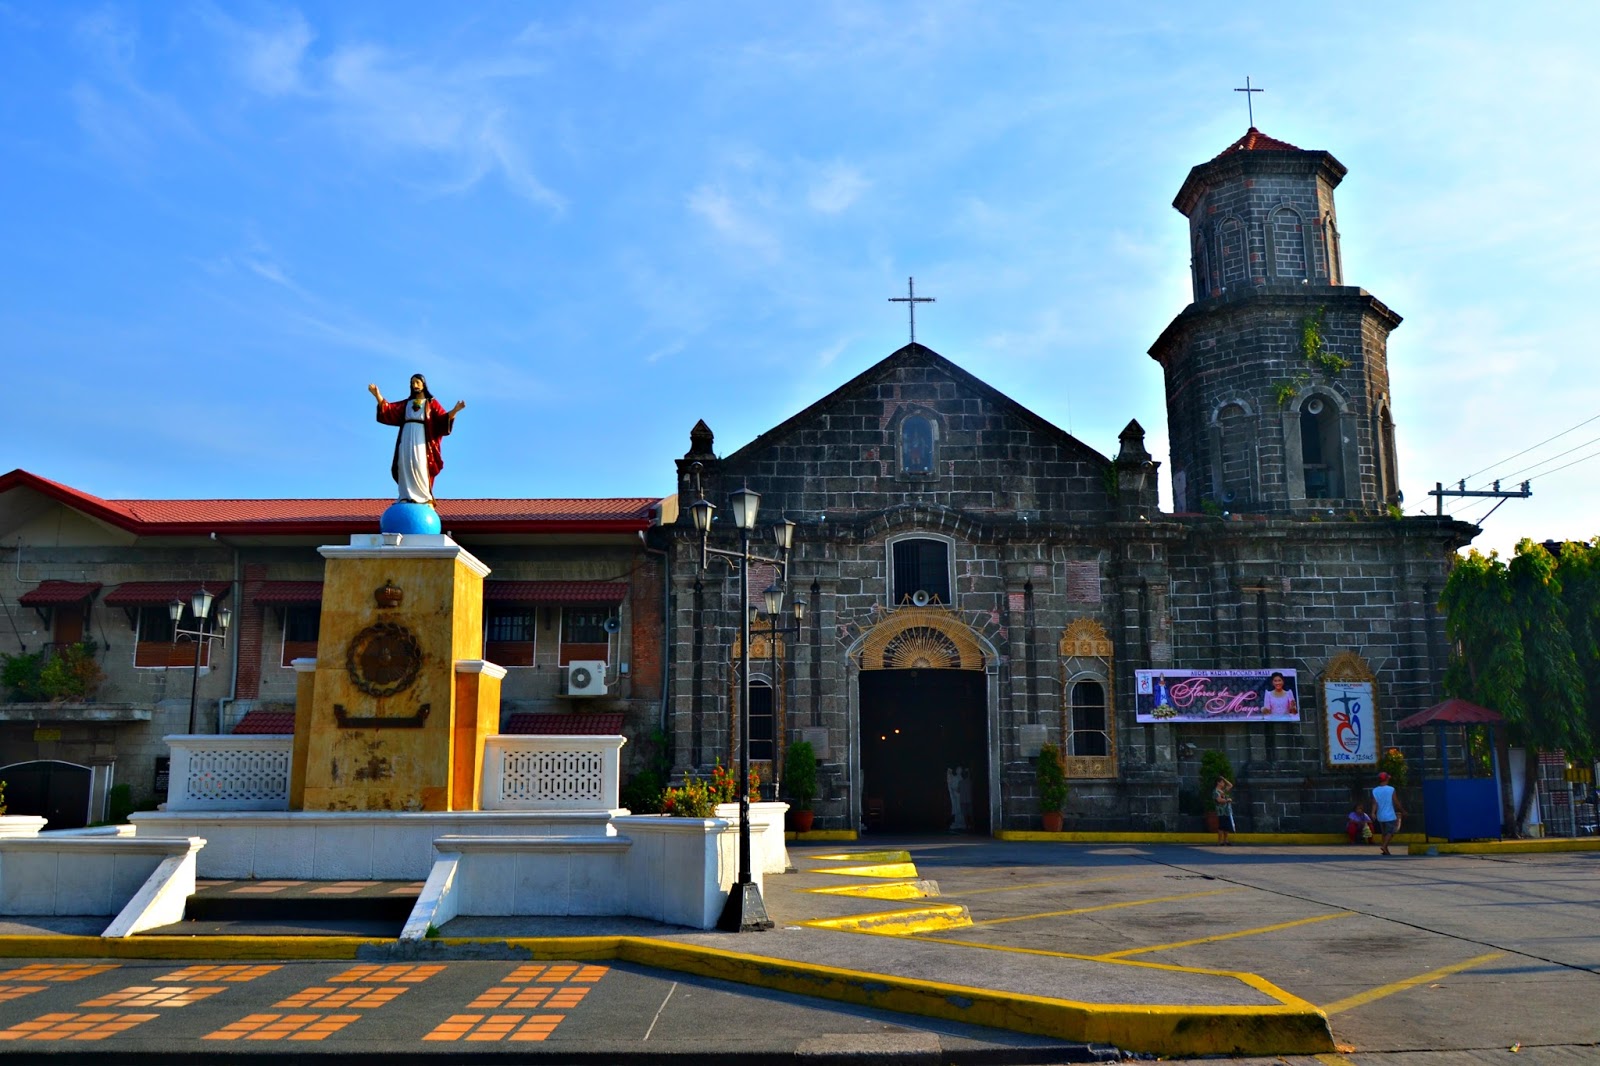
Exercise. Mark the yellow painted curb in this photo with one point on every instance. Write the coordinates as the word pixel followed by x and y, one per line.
pixel 910 921
pixel 1506 847
pixel 186 947
pixel 864 856
pixel 1292 1028
pixel 892 890
pixel 885 870
pixel 1319 839
pixel 822 835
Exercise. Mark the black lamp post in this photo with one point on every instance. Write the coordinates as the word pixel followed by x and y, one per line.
pixel 202 634
pixel 745 911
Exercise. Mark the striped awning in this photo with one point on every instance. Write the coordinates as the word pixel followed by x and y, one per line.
pixel 59 593
pixel 555 592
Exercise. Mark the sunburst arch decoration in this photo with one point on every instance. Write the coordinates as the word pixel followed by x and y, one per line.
pixel 921 638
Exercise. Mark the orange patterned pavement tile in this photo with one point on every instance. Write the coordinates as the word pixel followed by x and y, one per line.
pixel 556 974
pixel 229 973
pixel 10 992
pixel 512 996
pixel 324 997
pixel 74 1026
pixel 59 971
pixel 283 1027
pixel 481 1028
pixel 156 996
pixel 404 974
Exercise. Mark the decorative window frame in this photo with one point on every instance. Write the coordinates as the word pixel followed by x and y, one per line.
pixel 888 565
pixel 895 440
pixel 1086 655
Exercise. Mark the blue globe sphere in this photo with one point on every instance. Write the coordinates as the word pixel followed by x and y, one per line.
pixel 407 517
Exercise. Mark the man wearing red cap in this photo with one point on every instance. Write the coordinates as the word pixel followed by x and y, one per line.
pixel 1386 811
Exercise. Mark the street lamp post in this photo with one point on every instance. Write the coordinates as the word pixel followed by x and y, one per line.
pixel 202 635
pixel 745 911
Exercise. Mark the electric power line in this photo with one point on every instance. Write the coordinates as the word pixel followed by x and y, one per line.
pixel 1525 451
pixel 1553 458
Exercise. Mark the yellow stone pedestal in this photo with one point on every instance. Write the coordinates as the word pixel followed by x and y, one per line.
pixel 393 714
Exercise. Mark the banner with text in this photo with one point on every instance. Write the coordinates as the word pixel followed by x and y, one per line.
pixel 1269 695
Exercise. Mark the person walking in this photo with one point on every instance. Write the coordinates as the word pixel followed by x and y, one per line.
pixel 1386 811
pixel 1222 799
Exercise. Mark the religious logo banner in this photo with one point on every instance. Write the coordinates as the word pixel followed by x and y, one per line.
pixel 1351 723
pixel 1350 705
pixel 1269 695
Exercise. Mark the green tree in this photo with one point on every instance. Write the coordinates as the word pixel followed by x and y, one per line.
pixel 1524 636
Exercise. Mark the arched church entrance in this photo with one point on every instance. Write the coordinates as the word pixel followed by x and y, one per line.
pixel 924 736
pixel 50 789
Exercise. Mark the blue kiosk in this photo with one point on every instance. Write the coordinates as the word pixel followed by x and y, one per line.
pixel 1463 808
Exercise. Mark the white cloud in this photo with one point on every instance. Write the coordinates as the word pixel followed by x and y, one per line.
pixel 835 189
pixel 733 223
pixel 271 58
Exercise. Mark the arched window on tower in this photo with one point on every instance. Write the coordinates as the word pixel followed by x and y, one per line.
pixel 1231 253
pixel 1321 450
pixel 1286 245
pixel 1388 465
pixel 1235 457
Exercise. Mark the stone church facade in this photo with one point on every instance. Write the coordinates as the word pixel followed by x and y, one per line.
pixel 978 582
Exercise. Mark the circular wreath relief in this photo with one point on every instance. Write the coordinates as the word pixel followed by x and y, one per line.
pixel 383 659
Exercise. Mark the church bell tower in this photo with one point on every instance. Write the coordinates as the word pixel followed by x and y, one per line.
pixel 1277 374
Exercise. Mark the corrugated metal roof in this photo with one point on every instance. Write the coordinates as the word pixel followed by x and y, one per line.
pixel 565 725
pixel 58 593
pixel 564 592
pixel 289 593
pixel 149 593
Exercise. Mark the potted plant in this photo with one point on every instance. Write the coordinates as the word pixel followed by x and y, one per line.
pixel 1051 777
pixel 1213 765
pixel 800 777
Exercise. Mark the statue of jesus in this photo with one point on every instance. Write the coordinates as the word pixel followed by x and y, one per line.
pixel 417 455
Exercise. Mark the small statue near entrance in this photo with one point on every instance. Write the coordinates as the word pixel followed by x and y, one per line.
pixel 960 789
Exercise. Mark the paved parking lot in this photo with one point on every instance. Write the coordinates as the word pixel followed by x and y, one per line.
pixel 1460 954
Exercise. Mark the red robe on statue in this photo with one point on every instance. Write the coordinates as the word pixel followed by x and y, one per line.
pixel 438 424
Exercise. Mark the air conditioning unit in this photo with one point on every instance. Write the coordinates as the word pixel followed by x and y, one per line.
pixel 586 677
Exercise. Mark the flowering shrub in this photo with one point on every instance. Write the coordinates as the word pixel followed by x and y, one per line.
pixel 725 788
pixel 698 797
pixel 692 799
pixel 1393 763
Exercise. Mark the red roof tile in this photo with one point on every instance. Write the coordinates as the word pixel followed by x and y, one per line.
pixel 554 591
pixel 154 517
pixel 265 723
pixel 565 725
pixel 150 593
pixel 1256 141
pixel 289 593
pixel 58 593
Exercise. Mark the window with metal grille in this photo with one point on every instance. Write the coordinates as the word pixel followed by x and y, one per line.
pixel 583 633
pixel 1089 735
pixel 302 624
pixel 921 565
pixel 762 722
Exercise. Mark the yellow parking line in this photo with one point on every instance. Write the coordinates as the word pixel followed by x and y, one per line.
pixel 1362 998
pixel 1223 936
pixel 1331 1059
pixel 1105 907
pixel 1051 884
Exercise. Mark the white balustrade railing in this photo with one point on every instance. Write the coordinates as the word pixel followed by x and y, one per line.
pixel 229 773
pixel 549 773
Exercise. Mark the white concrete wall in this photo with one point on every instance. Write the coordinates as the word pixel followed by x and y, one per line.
pixel 81 875
pixel 769 850
pixel 551 773
pixel 229 773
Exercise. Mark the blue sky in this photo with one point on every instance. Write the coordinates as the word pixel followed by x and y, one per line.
pixel 597 223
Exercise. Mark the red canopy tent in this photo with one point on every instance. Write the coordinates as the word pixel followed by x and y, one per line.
pixel 1466 808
